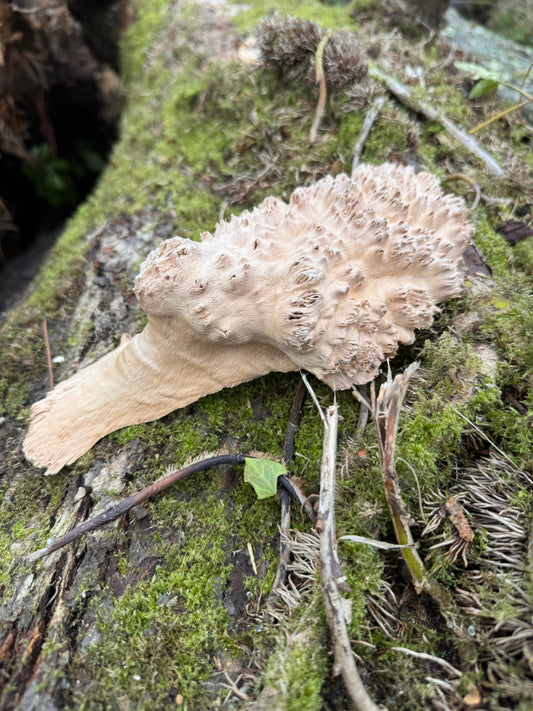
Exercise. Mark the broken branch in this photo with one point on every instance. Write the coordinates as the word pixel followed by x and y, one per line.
pixel 401 92
pixel 283 493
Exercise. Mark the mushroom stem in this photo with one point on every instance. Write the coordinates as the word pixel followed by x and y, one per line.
pixel 165 367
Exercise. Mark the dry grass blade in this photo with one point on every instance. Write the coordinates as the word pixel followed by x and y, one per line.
pixel 321 81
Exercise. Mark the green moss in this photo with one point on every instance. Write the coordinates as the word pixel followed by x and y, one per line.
pixel 137 41
pixel 168 623
pixel 326 15
pixel 25 514
pixel 297 670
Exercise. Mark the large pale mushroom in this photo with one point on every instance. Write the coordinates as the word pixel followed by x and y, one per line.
pixel 331 282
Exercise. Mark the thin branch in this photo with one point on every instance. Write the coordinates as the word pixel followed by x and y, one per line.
pixel 382 545
pixel 299 496
pixel 364 409
pixel 466 178
pixel 48 355
pixel 472 424
pixel 500 115
pixel 333 581
pixel 140 496
pixel 314 398
pixel 370 116
pixel 294 422
pixel 429 658
pixel 403 93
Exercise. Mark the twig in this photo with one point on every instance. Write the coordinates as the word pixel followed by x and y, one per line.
pixel 32 10
pixel 370 116
pixel 48 355
pixel 299 496
pixel 401 92
pixel 136 499
pixel 321 81
pixel 429 658
pixel 294 422
pixel 337 607
pixel 314 398
pixel 501 114
pixel 383 545
pixel 515 107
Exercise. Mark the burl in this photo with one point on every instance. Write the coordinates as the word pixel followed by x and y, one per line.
pixel 331 282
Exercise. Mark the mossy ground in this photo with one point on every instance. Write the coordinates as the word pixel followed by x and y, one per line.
pixel 194 141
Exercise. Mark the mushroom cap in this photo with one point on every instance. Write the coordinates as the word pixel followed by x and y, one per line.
pixel 335 279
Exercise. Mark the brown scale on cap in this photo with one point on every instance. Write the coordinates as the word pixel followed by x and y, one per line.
pixel 331 282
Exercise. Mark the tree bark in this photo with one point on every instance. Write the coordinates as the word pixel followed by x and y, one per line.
pixel 164 606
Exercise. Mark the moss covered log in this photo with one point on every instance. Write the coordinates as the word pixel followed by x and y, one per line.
pixel 165 608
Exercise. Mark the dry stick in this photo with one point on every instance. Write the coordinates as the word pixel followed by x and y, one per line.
pixel 321 81
pixel 401 92
pixel 135 499
pixel 370 116
pixel 386 414
pixel 283 493
pixel 48 355
pixel 333 581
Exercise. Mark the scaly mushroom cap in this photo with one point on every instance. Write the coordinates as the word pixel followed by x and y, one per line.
pixel 331 283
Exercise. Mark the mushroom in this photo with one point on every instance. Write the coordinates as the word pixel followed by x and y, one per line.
pixel 331 283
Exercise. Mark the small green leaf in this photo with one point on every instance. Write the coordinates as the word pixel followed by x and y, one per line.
pixel 483 87
pixel 263 474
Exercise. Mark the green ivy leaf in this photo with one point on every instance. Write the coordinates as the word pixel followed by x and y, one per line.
pixel 263 474
pixel 483 87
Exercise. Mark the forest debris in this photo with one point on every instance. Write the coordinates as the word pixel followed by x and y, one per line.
pixel 370 117
pixel 139 497
pixel 283 493
pixel 321 81
pixel 514 231
pixel 338 610
pixel 462 537
pixel 385 411
pixel 470 181
pixel 48 355
pixel 402 92
pixel 290 46
pixel 429 658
